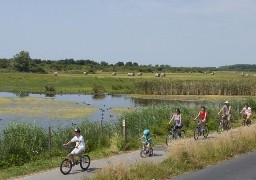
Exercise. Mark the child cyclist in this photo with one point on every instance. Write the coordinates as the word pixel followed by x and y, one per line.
pixel 80 146
pixel 203 120
pixel 147 139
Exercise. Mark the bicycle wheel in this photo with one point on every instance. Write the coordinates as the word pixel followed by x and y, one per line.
pixel 143 153
pixel 65 166
pixel 248 122
pixel 196 133
pixel 206 131
pixel 220 128
pixel 182 134
pixel 169 138
pixel 85 162
pixel 151 152
pixel 229 125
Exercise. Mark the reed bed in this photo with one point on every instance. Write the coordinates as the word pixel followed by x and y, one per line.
pixel 196 87
pixel 23 142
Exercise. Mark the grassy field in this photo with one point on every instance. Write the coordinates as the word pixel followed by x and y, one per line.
pixel 79 83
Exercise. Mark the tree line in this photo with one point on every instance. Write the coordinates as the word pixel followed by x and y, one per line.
pixel 22 62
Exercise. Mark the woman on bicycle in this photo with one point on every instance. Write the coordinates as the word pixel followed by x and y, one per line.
pixel 247 112
pixel 176 117
pixel 80 146
pixel 203 115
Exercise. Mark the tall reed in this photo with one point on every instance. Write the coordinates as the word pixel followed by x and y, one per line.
pixel 195 87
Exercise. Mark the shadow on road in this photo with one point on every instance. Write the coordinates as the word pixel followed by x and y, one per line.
pixel 89 170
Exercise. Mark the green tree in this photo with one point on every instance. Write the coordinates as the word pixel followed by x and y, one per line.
pixel 21 61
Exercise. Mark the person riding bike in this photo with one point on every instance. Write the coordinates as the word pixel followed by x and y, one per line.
pixel 226 112
pixel 79 148
pixel 204 117
pixel 176 117
pixel 247 112
pixel 147 139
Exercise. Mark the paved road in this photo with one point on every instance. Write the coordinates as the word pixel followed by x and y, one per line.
pixel 240 168
pixel 160 153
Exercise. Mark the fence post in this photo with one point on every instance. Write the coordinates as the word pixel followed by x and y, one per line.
pixel 50 138
pixel 124 130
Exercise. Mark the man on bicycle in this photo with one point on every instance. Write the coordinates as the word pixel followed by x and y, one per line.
pixel 247 112
pixel 80 146
pixel 226 113
pixel 204 117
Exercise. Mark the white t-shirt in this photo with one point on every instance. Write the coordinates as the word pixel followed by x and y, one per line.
pixel 77 140
pixel 247 111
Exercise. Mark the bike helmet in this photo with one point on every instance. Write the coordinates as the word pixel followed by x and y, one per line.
pixel 146 132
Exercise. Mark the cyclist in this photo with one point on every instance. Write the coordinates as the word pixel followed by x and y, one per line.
pixel 226 112
pixel 177 120
pixel 147 139
pixel 79 148
pixel 203 120
pixel 247 112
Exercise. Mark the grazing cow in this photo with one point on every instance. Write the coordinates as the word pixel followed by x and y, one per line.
pixel 55 73
pixel 113 73
pixel 85 73
pixel 139 73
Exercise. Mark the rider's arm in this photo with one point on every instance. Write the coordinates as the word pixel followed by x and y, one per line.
pixel 220 110
pixel 242 111
pixel 78 144
pixel 205 116
pixel 69 142
pixel 171 119
pixel 197 116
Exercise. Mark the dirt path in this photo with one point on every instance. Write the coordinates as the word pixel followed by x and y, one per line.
pixel 160 153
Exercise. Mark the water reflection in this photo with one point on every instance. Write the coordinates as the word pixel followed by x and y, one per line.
pixel 103 104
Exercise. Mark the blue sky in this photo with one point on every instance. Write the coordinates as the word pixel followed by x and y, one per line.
pixel 179 33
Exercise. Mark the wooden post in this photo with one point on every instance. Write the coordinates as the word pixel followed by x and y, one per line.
pixel 50 138
pixel 124 130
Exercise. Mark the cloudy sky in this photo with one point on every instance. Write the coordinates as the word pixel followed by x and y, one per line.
pixel 175 32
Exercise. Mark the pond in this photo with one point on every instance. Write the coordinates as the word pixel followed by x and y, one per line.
pixel 66 109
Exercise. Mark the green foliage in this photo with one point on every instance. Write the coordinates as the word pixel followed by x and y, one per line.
pixel 21 61
pixel 195 87
pixel 21 142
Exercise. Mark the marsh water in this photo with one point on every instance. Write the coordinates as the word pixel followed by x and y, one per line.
pixel 66 109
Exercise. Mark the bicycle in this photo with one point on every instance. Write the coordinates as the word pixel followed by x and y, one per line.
pixel 146 152
pixel 246 122
pixel 173 134
pixel 199 130
pixel 224 124
pixel 84 161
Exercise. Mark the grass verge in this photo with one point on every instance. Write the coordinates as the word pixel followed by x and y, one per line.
pixel 187 156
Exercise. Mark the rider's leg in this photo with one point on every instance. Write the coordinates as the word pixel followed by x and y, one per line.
pixel 71 157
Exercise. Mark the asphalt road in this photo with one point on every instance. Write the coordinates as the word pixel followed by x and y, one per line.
pixel 240 168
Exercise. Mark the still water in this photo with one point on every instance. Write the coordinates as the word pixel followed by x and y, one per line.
pixel 102 106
